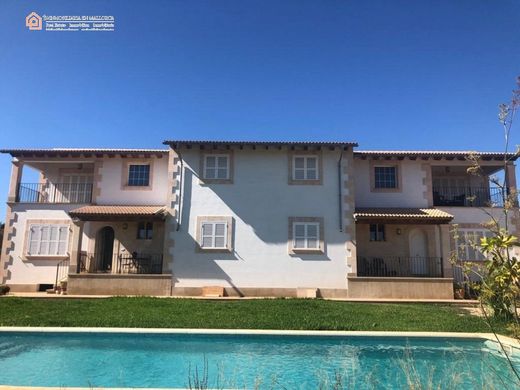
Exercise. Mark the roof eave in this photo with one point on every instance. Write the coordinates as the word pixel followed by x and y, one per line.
pixel 176 144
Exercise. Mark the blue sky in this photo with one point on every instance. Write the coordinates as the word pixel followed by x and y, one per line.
pixel 387 74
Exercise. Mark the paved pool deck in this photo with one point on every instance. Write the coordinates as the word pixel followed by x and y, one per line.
pixel 44 295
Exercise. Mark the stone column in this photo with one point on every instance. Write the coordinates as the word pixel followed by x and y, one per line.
pixel 16 176
pixel 510 176
pixel 6 245
pixel 77 236
pixel 445 249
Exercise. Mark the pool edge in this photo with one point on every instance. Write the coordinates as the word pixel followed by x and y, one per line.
pixel 56 329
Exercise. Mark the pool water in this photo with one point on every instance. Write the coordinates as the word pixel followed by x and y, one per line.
pixel 249 361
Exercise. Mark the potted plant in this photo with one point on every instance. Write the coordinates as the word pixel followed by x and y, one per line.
pixel 4 289
pixel 458 290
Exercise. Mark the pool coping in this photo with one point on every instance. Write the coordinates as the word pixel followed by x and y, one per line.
pixel 512 345
pixel 272 332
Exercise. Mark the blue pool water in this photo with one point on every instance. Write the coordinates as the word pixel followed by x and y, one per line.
pixel 249 361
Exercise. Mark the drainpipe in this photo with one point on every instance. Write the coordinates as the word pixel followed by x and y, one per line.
pixel 181 183
pixel 340 203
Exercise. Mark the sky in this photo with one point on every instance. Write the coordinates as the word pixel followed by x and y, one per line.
pixel 387 74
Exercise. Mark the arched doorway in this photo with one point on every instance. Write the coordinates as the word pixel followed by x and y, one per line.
pixel 105 248
pixel 418 252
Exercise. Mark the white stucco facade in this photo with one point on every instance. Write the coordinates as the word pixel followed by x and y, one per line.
pixel 410 194
pixel 260 201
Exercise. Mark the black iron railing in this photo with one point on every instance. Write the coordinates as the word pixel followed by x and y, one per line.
pixel 467 196
pixel 400 266
pixel 86 262
pixel 140 263
pixel 132 263
pixel 54 192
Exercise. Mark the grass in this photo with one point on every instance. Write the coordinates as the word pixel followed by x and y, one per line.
pixel 247 314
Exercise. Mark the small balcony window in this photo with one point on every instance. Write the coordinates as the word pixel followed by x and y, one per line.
pixel 138 175
pixel 145 231
pixel 377 232
pixel 385 177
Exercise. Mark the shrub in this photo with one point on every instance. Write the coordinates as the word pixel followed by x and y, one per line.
pixel 4 289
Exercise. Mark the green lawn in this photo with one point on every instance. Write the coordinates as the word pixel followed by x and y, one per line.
pixel 258 314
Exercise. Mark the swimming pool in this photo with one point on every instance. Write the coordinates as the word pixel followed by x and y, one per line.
pixel 98 359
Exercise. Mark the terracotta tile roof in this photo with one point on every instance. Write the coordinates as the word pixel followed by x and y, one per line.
pixel 178 143
pixel 402 214
pixel 66 152
pixel 94 211
pixel 434 154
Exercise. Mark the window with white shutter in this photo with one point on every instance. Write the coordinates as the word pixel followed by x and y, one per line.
pixel 214 235
pixel 306 235
pixel 216 166
pixel 305 168
pixel 48 240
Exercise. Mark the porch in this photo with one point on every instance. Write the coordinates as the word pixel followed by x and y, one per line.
pixel 119 251
pixel 402 253
pixel 453 186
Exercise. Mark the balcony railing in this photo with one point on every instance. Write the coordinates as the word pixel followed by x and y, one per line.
pixel 134 263
pixel 54 193
pixel 140 263
pixel 467 196
pixel 400 266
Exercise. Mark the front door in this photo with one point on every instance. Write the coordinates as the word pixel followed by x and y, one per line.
pixel 106 248
pixel 418 252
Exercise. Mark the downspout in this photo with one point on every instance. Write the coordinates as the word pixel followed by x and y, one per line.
pixel 340 203
pixel 181 183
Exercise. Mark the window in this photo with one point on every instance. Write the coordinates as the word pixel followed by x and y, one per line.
pixel 306 235
pixel 467 242
pixel 139 175
pixel 144 230
pixel 385 177
pixel 216 166
pixel 48 240
pixel 377 232
pixel 305 168
pixel 213 235
pixel 74 189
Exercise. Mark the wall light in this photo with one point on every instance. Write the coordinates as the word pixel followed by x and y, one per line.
pixel 398 231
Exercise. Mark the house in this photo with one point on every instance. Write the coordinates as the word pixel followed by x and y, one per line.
pixel 414 211
pixel 263 218
pixel 94 218
pixel 307 219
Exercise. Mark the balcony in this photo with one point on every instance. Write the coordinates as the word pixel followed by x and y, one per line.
pixel 397 266
pixel 54 193
pixel 467 196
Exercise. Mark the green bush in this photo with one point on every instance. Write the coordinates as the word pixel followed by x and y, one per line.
pixel 4 289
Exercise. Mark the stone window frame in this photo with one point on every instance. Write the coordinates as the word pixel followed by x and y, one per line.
pixel 290 237
pixel 305 153
pixel 29 223
pixel 398 169
pixel 126 170
pixel 229 230
pixel 202 165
